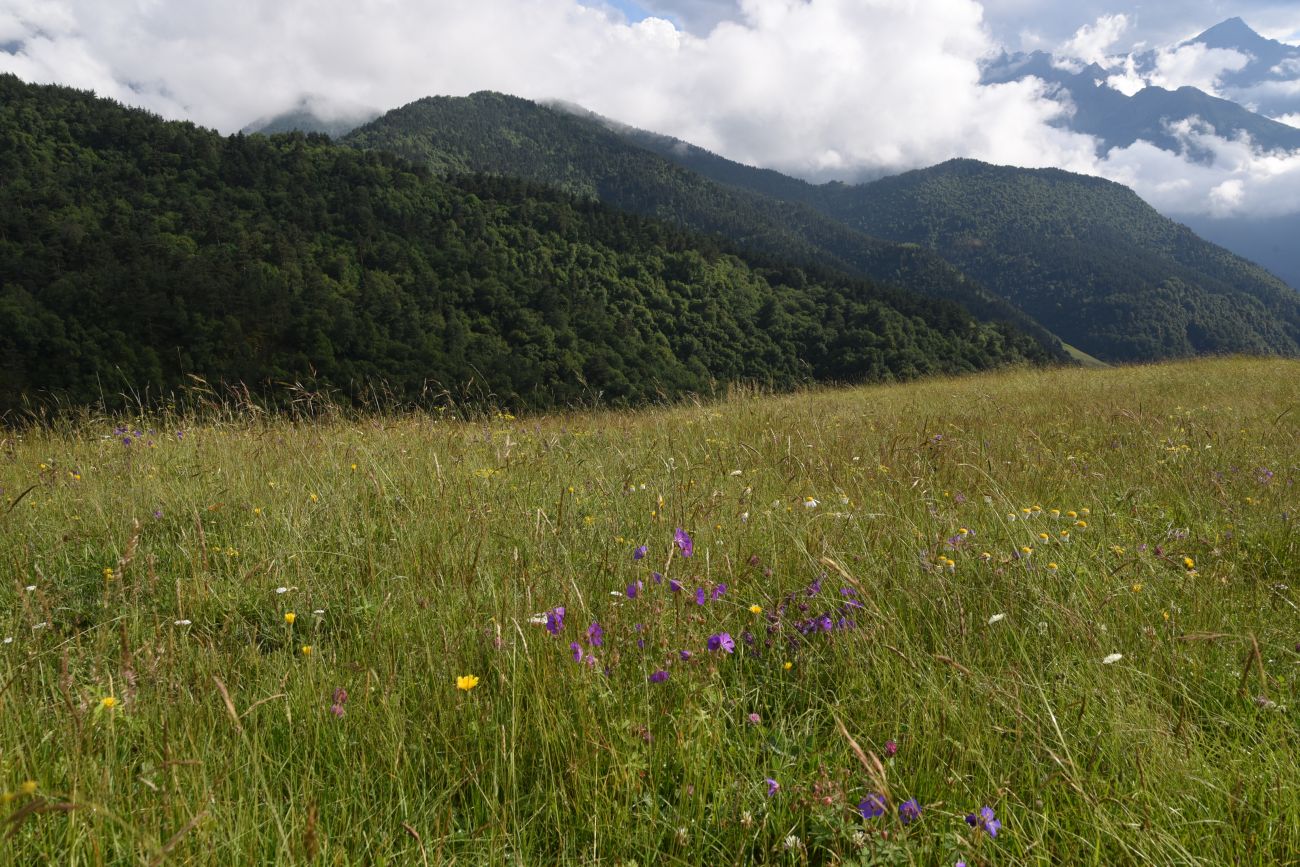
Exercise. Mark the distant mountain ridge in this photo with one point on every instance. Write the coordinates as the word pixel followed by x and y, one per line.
pixel 1119 120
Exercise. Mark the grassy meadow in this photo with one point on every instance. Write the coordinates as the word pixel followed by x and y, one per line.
pixel 1066 596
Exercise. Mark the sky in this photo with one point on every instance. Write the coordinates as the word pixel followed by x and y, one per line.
pixel 823 89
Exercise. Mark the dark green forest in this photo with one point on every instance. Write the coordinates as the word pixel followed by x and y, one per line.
pixel 1085 257
pixel 584 154
pixel 136 254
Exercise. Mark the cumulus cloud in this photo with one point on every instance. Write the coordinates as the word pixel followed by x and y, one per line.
pixel 819 88
pixel 1195 65
pixel 1091 42
pixel 1237 180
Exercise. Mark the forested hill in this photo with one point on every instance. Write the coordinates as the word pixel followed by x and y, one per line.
pixel 1085 257
pixel 505 135
pixel 136 252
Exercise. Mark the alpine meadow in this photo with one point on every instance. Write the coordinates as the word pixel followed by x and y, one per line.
pixel 624 433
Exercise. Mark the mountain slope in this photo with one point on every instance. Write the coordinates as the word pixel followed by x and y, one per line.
pixel 1085 257
pixel 139 252
pixel 505 135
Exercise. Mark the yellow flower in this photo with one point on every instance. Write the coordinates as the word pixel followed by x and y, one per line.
pixel 314 498
pixel 1081 523
pixel 1052 566
pixel 1026 550
pixel 108 573
pixel 306 650
pixel 788 666
pixel 108 702
pixel 1189 563
pixel 1071 514
pixel 1137 587
pixel 290 617
pixel 755 609
pixel 28 787
pixel 1165 614
pixel 466 682
pixel 1043 536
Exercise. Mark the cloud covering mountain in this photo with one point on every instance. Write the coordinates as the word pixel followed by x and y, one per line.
pixel 822 88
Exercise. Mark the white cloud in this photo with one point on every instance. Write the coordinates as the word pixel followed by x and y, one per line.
pixel 1238 180
pixel 1091 42
pixel 818 88
pixel 1195 65
pixel 1289 119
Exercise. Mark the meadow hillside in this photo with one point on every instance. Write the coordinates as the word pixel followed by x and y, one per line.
pixel 1064 596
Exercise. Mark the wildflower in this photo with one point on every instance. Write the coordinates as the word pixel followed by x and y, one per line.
pixel 754 719
pixel 577 651
pixel 788 665
pixel 722 641
pixel 684 654
pixel 772 786
pixel 684 542
pixel 995 618
pixel 306 650
pixel 718 590
pixel 640 552
pixel 810 503
pixel 674 585
pixel 1043 536
pixel 985 821
pixel 1052 567
pixel 699 596
pixel 28 787
pixel 1112 658
pixel 1081 524
pixel 595 634
pixel 755 609
pixel 659 676
pixel 1189 563
pixel 108 702
pixel 632 589
pixel 891 748
pixel 555 620
pixel 108 573
pixel 466 682
pixel 1137 587
pixel 279 591
pixel 792 843
pixel 290 617
pixel 909 811
pixel 872 806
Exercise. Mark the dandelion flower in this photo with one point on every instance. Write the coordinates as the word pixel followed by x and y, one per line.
pixel 466 682
pixel 755 609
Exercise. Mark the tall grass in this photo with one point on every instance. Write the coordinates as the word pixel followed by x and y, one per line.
pixel 980 548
